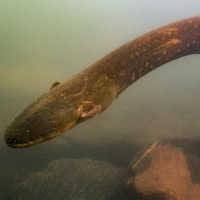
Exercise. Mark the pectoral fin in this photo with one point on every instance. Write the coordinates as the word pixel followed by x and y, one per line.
pixel 54 85
pixel 92 113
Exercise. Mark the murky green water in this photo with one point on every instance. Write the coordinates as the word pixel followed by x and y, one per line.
pixel 46 41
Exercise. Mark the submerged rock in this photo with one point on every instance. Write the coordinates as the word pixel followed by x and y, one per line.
pixel 168 170
pixel 75 179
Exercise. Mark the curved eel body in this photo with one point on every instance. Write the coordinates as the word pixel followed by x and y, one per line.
pixel 90 92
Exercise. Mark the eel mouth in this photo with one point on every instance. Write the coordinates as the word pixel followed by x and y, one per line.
pixel 15 145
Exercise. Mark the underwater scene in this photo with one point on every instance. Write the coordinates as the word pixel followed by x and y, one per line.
pixel 85 114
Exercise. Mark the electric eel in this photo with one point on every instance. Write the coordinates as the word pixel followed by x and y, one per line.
pixel 90 92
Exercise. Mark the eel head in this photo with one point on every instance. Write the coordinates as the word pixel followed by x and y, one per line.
pixel 40 122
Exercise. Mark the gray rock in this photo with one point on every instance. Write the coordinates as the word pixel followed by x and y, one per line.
pixel 75 179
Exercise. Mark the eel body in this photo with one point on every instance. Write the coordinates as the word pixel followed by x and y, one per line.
pixel 91 91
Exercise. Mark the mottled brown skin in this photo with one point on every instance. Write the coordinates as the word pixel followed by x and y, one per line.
pixel 91 91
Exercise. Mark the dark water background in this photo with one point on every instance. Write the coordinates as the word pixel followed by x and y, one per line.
pixel 46 41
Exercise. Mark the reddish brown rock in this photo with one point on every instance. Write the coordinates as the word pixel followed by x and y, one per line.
pixel 167 170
